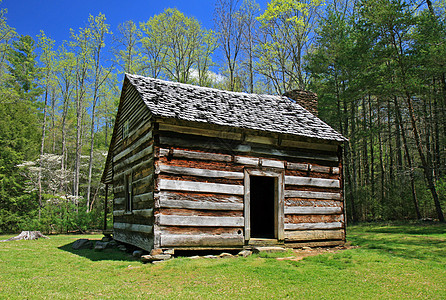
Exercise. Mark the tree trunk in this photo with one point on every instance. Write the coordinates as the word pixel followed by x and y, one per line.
pixel 391 167
pixel 381 163
pixel 42 149
pixel 366 170
pixel 90 163
pixel 64 144
pixel 437 153
pixel 26 235
pixel 426 167
pixel 408 158
pixel 372 157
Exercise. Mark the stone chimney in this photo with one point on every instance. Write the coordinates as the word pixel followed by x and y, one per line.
pixel 306 99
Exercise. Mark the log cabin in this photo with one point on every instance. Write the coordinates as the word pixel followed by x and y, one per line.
pixel 200 168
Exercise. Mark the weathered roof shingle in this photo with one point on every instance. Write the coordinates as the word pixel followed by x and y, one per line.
pixel 200 104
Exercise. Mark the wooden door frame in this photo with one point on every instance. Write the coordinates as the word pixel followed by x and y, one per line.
pixel 278 201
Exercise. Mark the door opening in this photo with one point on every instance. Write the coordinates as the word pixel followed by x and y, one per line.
pixel 262 207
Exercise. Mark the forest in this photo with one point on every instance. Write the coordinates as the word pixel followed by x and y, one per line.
pixel 378 67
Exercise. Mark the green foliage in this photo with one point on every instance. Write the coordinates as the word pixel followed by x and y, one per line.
pixel 175 45
pixel 127 47
pixel 372 68
pixel 19 129
pixel 286 29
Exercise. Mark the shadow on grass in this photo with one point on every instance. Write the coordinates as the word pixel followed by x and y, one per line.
pixel 414 241
pixel 107 254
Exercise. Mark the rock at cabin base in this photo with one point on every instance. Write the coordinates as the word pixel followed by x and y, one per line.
pixel 268 249
pixel 225 255
pixel 82 244
pixel 106 239
pixel 137 253
pixel 156 251
pixel 100 246
pixel 169 251
pixel 244 253
pixel 157 257
pixel 162 257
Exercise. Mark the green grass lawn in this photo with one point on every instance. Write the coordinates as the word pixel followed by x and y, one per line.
pixel 392 262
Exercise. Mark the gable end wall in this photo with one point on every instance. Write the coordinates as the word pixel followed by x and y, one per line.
pixel 133 158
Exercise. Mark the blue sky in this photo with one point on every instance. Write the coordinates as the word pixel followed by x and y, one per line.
pixel 56 17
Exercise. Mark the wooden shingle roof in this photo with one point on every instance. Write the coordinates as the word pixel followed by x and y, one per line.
pixel 260 112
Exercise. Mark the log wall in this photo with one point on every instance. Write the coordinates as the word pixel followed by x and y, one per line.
pixel 200 189
pixel 133 165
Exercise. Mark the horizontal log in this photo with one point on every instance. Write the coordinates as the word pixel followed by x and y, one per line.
pixel 132 102
pixel 308 235
pixel 140 129
pixel 198 197
pixel 198 230
pixel 172 220
pixel 266 173
pixel 189 240
pixel 142 181
pixel 204 187
pixel 307 145
pixel 143 197
pixel 143 212
pixel 221 145
pixel 319 169
pixel 309 181
pixel 196 155
pixel 128 161
pixel 199 172
pixel 290 202
pixel 251 136
pixel 309 226
pixel 132 147
pixel 199 205
pixel 295 154
pixel 261 139
pixel 145 163
pixel 312 210
pixel 140 240
pixel 163 152
pixel 272 163
pixel 312 195
pixel 241 148
pixel 118 213
pixel 119 201
pixel 297 166
pixel 136 212
pixel 242 160
pixel 200 131
pixel 133 227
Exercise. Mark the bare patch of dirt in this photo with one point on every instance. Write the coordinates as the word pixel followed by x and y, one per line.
pixel 301 253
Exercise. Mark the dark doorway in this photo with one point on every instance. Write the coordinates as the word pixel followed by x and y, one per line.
pixel 262 207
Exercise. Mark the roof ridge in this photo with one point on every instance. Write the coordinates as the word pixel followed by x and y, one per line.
pixel 175 83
